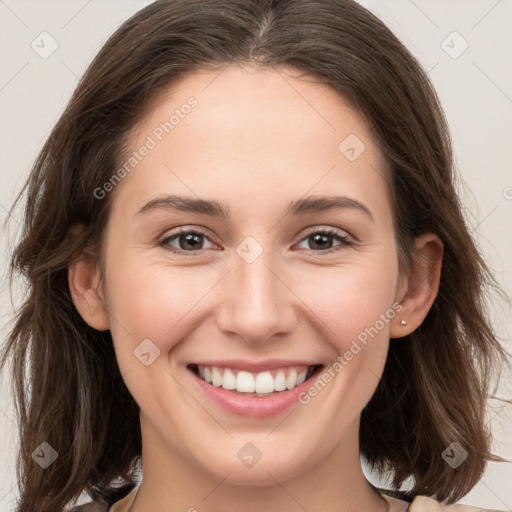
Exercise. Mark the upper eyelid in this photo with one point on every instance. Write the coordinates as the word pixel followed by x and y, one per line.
pixel 330 230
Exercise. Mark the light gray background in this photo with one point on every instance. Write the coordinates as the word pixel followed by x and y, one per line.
pixel 475 89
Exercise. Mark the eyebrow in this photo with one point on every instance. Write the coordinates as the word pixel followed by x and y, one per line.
pixel 212 208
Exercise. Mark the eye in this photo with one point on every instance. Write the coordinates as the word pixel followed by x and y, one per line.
pixel 194 241
pixel 321 241
pixel 186 241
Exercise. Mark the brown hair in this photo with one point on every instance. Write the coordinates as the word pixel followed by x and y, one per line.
pixel 435 382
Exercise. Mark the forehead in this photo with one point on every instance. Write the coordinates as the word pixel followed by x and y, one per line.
pixel 243 134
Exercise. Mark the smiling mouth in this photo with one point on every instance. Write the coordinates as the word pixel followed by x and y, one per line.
pixel 258 384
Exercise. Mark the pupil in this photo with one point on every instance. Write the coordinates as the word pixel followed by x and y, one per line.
pixel 192 239
pixel 319 238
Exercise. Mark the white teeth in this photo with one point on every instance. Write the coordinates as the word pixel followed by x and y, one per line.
pixel 245 382
pixel 228 380
pixel 280 381
pixel 291 380
pixel 216 378
pixel 265 382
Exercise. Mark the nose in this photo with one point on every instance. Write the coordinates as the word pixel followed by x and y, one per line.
pixel 256 303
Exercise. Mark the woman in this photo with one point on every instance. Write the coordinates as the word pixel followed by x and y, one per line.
pixel 249 268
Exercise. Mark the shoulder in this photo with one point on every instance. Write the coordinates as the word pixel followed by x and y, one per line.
pixel 426 504
pixel 400 501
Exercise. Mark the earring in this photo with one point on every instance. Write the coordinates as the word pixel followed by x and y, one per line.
pixel 403 322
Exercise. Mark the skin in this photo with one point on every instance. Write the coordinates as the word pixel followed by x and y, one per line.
pixel 257 140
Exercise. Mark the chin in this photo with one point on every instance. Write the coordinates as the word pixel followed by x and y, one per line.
pixel 266 471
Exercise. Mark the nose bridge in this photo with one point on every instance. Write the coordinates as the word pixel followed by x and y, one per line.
pixel 257 304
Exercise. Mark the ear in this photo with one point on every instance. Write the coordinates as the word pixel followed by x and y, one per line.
pixel 86 291
pixel 418 290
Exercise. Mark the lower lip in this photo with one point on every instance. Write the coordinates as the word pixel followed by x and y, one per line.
pixel 253 406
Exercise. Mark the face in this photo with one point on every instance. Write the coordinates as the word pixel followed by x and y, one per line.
pixel 277 289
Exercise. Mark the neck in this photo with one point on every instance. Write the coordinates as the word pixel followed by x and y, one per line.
pixel 171 483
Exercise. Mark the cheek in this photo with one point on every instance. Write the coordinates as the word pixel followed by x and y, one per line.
pixel 353 301
pixel 154 302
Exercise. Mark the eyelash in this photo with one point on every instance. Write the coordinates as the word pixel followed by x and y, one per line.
pixel 345 240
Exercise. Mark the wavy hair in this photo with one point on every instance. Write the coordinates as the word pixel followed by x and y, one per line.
pixel 68 388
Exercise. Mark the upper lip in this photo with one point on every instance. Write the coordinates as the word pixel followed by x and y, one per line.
pixel 256 366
